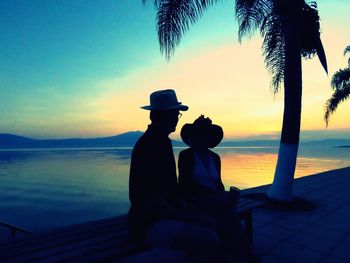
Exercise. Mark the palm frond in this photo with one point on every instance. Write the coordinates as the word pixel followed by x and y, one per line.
pixel 174 20
pixel 347 50
pixel 321 54
pixel 340 83
pixel 311 43
pixel 250 14
pixel 313 4
pixel 274 49
pixel 310 29
pixel 263 15
pixel 155 2
pixel 338 96
pixel 340 79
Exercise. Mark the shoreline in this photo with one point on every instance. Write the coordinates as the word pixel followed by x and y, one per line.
pixel 332 172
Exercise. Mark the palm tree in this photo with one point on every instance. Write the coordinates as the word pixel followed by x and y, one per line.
pixel 341 85
pixel 290 30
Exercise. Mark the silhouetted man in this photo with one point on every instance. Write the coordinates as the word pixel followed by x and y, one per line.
pixel 158 212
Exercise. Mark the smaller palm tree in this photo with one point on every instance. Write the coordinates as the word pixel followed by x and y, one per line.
pixel 341 85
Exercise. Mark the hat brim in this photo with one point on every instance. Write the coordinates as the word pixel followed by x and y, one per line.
pixel 173 107
pixel 213 135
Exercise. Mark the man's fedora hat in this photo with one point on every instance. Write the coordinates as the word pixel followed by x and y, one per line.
pixel 202 133
pixel 164 100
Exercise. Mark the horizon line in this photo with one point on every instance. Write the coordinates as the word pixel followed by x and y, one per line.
pixel 271 136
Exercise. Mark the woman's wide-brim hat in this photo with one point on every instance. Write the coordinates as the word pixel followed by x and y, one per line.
pixel 202 133
pixel 164 100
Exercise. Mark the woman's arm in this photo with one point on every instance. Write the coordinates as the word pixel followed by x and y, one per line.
pixel 185 171
pixel 221 186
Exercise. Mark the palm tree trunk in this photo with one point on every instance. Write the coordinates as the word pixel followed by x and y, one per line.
pixel 282 186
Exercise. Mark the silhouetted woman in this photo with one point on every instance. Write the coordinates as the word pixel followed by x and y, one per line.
pixel 200 181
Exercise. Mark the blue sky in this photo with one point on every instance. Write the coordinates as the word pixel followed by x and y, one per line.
pixel 57 42
pixel 83 68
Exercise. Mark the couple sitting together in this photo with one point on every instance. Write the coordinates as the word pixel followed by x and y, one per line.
pixel 193 212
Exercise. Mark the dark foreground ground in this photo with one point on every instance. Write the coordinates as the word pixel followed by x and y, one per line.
pixel 316 228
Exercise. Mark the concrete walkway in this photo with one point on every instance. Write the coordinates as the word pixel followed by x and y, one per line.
pixel 321 234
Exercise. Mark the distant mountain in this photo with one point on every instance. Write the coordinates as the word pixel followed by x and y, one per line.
pixel 128 139
pixel 341 143
pixel 10 141
pixel 338 143
pixel 250 143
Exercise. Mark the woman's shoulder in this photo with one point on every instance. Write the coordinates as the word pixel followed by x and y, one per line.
pixel 186 156
pixel 213 153
pixel 187 151
pixel 215 156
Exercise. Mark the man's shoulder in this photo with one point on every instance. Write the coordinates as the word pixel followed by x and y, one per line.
pixel 144 139
pixel 148 139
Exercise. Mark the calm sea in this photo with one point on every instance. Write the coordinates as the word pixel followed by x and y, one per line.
pixel 48 188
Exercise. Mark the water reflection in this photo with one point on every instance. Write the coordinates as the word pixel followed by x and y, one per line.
pixel 55 188
pixel 247 170
pixel 47 188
